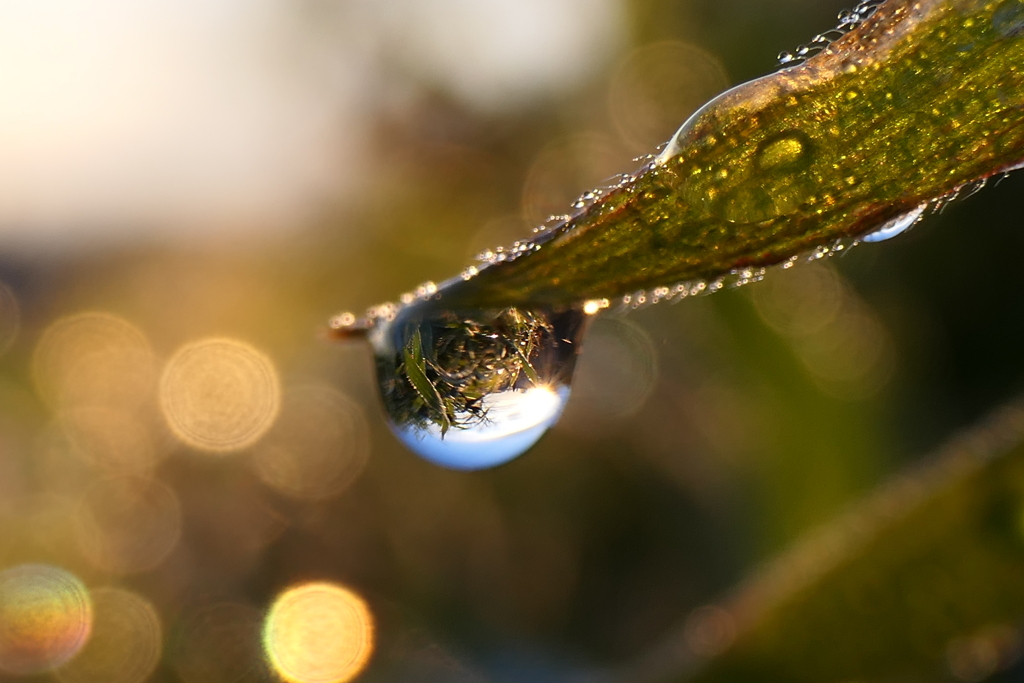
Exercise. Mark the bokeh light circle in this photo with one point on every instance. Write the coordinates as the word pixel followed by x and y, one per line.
pixel 93 358
pixel 658 86
pixel 125 644
pixel 128 524
pixel 219 394
pixel 45 618
pixel 318 447
pixel 318 633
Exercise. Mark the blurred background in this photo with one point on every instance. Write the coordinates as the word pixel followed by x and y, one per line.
pixel 195 485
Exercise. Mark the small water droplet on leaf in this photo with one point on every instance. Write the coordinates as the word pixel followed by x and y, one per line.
pixel 782 151
pixel 896 226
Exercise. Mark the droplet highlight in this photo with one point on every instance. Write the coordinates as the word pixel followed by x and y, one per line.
pixel 896 226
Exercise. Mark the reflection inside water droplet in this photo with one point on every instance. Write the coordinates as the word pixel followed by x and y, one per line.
pixel 474 389
pixel 897 225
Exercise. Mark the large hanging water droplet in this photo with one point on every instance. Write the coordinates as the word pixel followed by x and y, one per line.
pixel 897 225
pixel 475 389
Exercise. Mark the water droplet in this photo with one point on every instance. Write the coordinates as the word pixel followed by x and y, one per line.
pixel 474 389
pixel 783 151
pixel 848 17
pixel 895 226
pixel 345 319
pixel 786 57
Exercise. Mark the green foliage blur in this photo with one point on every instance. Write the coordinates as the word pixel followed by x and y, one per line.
pixel 702 439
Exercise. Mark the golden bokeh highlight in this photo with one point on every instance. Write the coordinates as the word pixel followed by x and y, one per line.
pixel 128 524
pixel 45 618
pixel 219 394
pixel 318 633
pixel 318 446
pixel 94 358
pixel 801 301
pixel 657 87
pixel 125 644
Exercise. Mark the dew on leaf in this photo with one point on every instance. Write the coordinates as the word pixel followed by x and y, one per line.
pixel 783 151
pixel 896 226
pixel 474 389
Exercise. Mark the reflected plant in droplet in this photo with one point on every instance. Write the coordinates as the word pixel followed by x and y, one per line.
pixel 475 389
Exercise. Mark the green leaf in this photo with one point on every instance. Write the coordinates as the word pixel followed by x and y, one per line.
pixel 415 370
pixel 922 99
pixel 921 579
